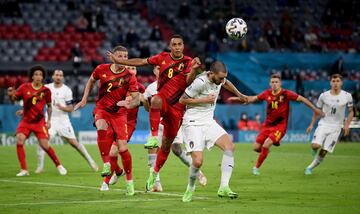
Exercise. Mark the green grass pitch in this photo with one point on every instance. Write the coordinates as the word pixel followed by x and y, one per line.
pixel 282 187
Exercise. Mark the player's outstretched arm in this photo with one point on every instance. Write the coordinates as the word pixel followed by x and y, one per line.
pixel 89 86
pixel 310 105
pixel 195 66
pixel 67 108
pixel 231 87
pixel 186 100
pixel 129 62
pixel 348 121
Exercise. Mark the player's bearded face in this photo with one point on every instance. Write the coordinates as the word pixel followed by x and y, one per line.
pixel 219 78
pixel 37 77
pixel 275 84
pixel 336 83
pixel 177 47
pixel 58 76
pixel 123 55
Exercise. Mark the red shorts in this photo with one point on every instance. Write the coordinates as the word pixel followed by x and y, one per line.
pixel 275 133
pixel 39 129
pixel 131 125
pixel 116 122
pixel 171 118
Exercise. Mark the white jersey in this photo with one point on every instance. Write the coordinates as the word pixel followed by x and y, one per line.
pixel 150 90
pixel 334 107
pixel 63 96
pixel 200 114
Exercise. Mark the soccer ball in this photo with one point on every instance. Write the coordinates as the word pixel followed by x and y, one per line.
pixel 236 28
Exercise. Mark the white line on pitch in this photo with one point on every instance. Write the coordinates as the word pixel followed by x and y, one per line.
pixel 90 202
pixel 95 188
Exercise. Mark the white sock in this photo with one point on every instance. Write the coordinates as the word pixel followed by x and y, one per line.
pixel 151 160
pixel 193 175
pixel 315 162
pixel 82 150
pixel 40 156
pixel 227 165
pixel 186 159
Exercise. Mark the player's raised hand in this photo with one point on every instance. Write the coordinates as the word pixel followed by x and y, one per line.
pixel 196 63
pixel 80 104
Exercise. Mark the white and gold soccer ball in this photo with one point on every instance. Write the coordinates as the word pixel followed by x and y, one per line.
pixel 236 28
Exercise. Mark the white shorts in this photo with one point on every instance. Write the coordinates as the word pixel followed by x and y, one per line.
pixel 179 139
pixel 61 127
pixel 197 137
pixel 326 137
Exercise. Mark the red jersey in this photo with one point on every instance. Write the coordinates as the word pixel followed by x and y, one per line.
pixel 132 113
pixel 277 111
pixel 113 87
pixel 34 101
pixel 172 76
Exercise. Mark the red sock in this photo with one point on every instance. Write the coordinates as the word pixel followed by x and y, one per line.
pixel 154 116
pixel 21 155
pixel 53 156
pixel 161 158
pixel 262 156
pixel 127 164
pixel 115 165
pixel 104 145
pixel 107 179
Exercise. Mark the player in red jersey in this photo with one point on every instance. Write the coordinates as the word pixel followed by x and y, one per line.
pixel 35 96
pixel 116 82
pixel 277 114
pixel 176 72
pixel 113 154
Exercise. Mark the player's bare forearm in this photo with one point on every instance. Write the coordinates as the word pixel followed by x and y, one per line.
pixel 308 103
pixel 231 87
pixel 49 111
pixel 89 86
pixel 68 108
pixel 186 100
pixel 350 117
pixel 191 76
pixel 252 99
pixel 132 62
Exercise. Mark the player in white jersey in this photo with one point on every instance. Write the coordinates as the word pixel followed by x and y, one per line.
pixel 200 130
pixel 334 103
pixel 62 99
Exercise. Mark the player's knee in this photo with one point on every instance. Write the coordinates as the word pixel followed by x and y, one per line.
pixel 101 124
pixel 176 149
pixel 113 151
pixel 315 146
pixel 156 102
pixel 122 146
pixel 197 162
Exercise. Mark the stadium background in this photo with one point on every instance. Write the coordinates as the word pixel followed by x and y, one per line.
pixel 305 41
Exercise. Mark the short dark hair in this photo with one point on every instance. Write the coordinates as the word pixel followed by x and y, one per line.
pixel 218 66
pixel 120 48
pixel 177 36
pixel 275 76
pixel 334 76
pixel 37 68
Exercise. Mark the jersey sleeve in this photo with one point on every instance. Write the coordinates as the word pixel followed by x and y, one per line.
pixel 133 84
pixel 47 95
pixel 291 95
pixel 349 100
pixel 262 95
pixel 96 73
pixel 19 92
pixel 195 88
pixel 320 101
pixel 68 97
pixel 154 60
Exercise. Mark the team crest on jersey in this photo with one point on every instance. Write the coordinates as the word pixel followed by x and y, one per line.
pixel 281 98
pixel 181 66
